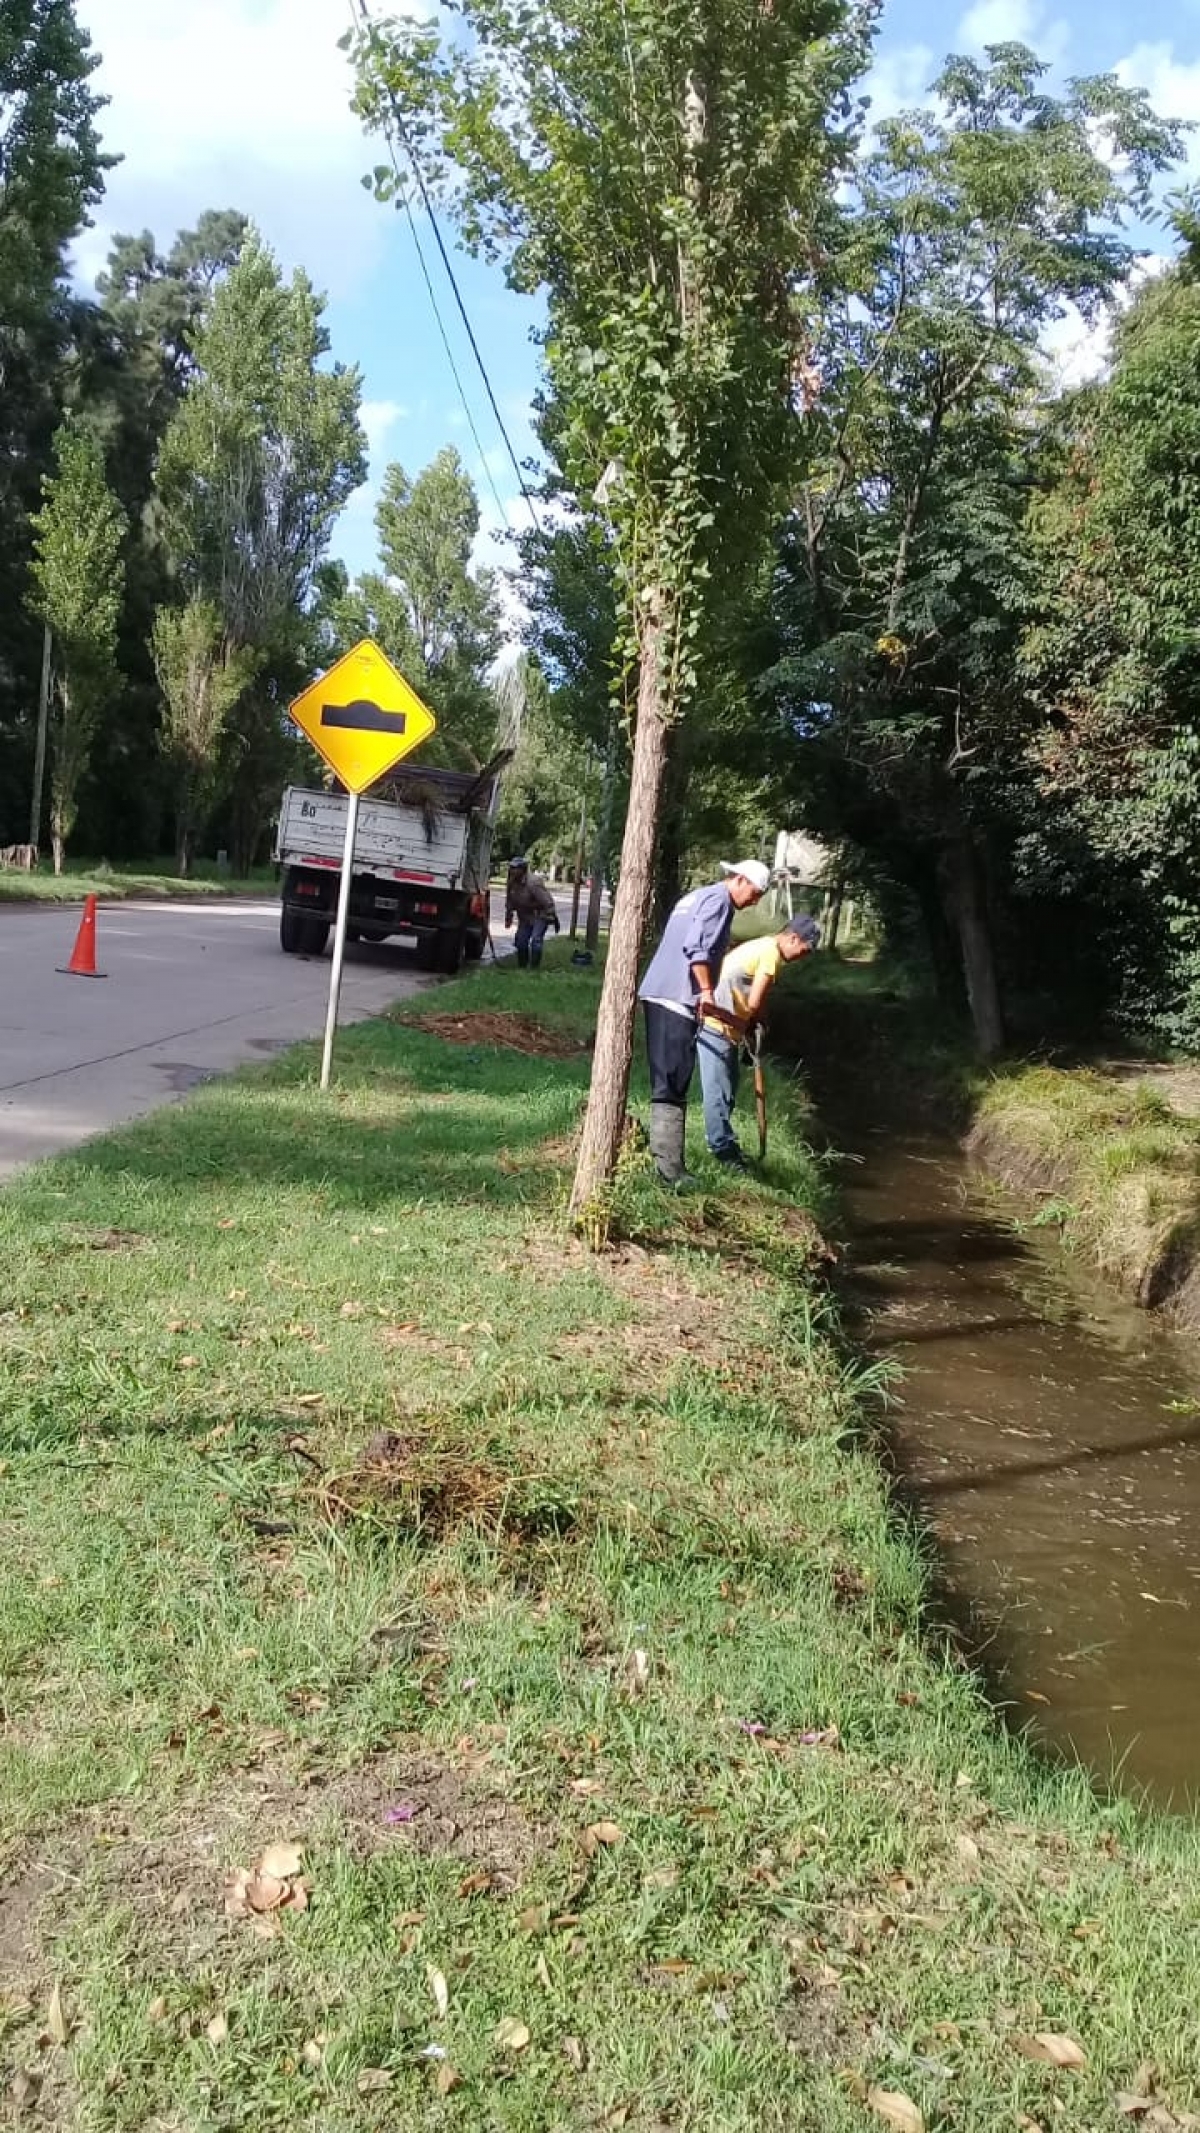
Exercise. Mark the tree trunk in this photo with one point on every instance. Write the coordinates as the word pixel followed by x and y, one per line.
pixel 58 845
pixel 671 846
pixel 836 902
pixel 967 905
pixel 604 1124
pixel 600 850
pixel 185 842
pixel 939 939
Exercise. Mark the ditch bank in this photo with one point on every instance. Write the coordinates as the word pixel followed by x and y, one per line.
pixel 1031 1269
pixel 1111 1158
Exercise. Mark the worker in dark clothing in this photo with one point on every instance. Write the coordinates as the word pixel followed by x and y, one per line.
pixel 528 903
pixel 678 989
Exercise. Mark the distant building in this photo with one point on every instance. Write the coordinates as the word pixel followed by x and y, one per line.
pixel 803 861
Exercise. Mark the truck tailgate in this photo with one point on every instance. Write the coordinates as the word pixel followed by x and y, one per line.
pixel 399 841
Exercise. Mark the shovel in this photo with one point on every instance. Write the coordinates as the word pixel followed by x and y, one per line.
pixel 760 1093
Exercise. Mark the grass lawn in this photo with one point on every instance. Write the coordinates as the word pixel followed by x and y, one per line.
pixel 145 879
pixel 537 1623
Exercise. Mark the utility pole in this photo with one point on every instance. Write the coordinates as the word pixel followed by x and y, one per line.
pixel 39 756
pixel 579 852
pixel 603 840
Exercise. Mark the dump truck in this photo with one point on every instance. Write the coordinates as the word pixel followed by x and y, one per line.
pixel 422 860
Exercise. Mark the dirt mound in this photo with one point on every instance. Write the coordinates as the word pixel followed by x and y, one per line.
pixel 510 1032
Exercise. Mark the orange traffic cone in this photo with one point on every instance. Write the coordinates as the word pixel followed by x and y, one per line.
pixel 83 955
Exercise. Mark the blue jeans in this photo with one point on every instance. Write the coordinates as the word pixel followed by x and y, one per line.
pixel 531 932
pixel 718 1060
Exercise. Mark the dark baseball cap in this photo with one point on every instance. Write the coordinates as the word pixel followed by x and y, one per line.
pixel 805 928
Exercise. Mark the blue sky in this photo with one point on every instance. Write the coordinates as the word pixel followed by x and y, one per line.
pixel 245 103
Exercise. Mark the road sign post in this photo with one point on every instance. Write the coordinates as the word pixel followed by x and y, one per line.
pixel 339 939
pixel 364 719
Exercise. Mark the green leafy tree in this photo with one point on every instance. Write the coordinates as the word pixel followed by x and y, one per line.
pixel 659 172
pixel 134 361
pixel 78 571
pixel 261 455
pixel 1113 659
pixel 201 674
pixel 51 176
pixel 973 225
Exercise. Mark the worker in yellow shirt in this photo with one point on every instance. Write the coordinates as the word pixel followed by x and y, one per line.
pixel 747 975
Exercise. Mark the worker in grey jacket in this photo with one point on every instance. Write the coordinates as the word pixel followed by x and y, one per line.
pixel 678 989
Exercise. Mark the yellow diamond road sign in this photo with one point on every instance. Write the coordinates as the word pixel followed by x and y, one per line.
pixel 362 717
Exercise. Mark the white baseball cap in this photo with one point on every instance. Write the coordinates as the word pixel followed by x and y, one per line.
pixel 752 870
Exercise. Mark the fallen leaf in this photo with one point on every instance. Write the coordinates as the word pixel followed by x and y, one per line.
pixel 372 2079
pixel 544 1978
pixel 511 2035
pixel 313 2053
pixel 25 2088
pixel 157 2009
pixel 475 1884
pixel 637 1673
pixel 265 1892
pixel 661 1877
pixel 968 1850
pixel 896 2109
pixel 217 2030
pixel 440 1990
pixel 351 1310
pixel 535 1919
pixel 281 1861
pixel 573 2051
pixel 1051 2049
pixel 57 2026
pixel 448 2079
pixel 598 1835
pixel 583 1788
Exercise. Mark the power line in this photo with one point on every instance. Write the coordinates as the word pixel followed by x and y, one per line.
pixel 360 9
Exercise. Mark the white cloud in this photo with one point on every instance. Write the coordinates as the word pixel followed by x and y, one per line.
pixel 899 80
pixel 1013 22
pixel 379 419
pixel 1173 85
pixel 1079 352
pixel 235 103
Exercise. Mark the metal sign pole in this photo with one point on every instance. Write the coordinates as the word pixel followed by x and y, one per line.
pixel 339 937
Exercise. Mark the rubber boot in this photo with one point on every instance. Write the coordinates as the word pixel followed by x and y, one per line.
pixel 667 1125
pixel 523 958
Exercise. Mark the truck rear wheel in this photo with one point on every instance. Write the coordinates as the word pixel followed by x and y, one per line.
pixel 473 947
pixel 301 935
pixel 448 951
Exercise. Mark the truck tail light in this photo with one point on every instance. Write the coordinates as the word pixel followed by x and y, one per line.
pixel 426 910
pixel 477 906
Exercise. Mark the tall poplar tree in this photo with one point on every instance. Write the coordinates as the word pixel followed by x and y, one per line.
pixel 659 169
pixel 79 572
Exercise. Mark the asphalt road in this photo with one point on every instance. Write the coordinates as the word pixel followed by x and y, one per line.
pixel 191 990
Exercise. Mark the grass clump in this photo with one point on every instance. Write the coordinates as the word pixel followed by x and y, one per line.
pixel 141 880
pixel 550 1606
pixel 1112 1155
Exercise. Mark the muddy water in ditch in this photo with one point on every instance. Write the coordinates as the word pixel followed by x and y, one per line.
pixel 1052 1437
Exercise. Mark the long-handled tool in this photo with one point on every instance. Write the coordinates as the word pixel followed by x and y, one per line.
pixel 760 1093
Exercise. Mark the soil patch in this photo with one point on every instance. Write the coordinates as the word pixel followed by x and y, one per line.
pixel 507 1032
pixel 22 1894
pixel 171 1883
